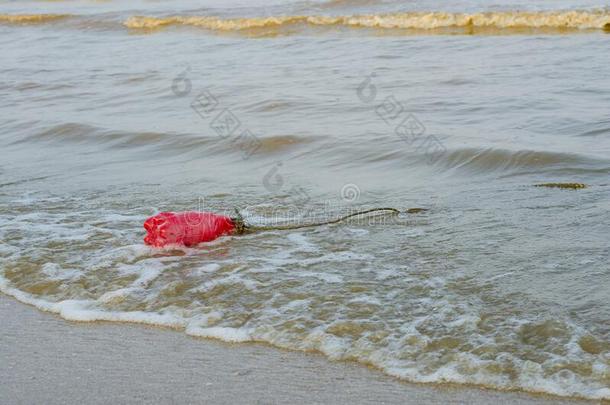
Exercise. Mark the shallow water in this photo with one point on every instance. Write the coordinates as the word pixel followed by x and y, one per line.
pixel 499 283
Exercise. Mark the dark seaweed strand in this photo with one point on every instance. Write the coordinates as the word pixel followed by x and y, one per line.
pixel 241 226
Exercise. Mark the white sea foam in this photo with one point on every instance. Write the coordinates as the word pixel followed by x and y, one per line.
pixel 326 277
pixel 347 304
pixel 209 268
pixel 233 335
pixel 531 377
pixel 233 280
pixel 302 242
pixel 55 272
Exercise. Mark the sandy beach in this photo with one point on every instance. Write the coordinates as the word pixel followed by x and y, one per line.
pixel 48 360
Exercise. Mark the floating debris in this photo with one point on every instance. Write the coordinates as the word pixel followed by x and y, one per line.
pixel 572 186
pixel 416 210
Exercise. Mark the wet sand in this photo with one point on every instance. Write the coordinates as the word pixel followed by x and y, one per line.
pixel 45 359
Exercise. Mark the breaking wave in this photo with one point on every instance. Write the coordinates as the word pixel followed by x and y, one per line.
pixel 418 322
pixel 31 18
pixel 432 21
pixel 506 161
pixel 75 134
pixel 412 20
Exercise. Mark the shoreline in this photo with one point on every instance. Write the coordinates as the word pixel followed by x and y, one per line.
pixel 50 360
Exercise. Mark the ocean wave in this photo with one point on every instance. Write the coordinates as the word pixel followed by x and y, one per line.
pixel 31 18
pixel 410 311
pixel 477 159
pixel 315 307
pixel 452 161
pixel 419 21
pixel 597 19
pixel 164 142
pixel 530 375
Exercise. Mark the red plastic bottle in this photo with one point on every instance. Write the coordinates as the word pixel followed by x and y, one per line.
pixel 186 228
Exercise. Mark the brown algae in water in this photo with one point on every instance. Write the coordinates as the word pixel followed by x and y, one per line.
pixel 571 186
pixel 416 210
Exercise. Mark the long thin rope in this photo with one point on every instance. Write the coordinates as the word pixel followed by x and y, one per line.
pixel 243 227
